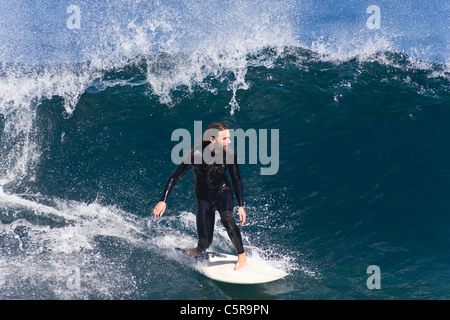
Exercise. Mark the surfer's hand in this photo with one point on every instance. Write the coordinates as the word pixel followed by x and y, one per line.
pixel 242 215
pixel 159 209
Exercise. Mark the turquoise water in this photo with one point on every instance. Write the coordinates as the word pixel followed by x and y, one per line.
pixel 363 150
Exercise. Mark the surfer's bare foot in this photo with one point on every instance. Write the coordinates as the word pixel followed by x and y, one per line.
pixel 242 261
pixel 191 253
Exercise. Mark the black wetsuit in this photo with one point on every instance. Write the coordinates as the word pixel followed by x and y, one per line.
pixel 213 191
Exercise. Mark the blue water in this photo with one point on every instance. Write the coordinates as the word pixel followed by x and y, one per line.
pixel 86 117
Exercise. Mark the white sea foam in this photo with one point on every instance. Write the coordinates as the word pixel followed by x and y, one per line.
pixel 40 258
pixel 45 259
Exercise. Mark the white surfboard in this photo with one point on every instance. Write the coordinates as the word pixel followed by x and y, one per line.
pixel 220 267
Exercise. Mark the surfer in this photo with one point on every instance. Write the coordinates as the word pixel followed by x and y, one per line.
pixel 212 190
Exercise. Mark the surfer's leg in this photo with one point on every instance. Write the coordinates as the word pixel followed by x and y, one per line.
pixel 225 206
pixel 205 224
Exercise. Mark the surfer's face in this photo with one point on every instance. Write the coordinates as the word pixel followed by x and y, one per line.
pixel 222 140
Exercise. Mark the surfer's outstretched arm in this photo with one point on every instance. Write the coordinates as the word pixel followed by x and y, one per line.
pixel 179 172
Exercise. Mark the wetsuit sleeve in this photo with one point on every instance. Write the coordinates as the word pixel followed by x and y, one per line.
pixel 237 181
pixel 179 172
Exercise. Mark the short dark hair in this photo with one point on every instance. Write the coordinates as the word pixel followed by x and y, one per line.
pixel 217 125
pixel 220 126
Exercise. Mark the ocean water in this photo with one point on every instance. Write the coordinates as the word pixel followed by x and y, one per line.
pixel 90 96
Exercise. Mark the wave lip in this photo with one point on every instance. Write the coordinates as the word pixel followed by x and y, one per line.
pixel 169 77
